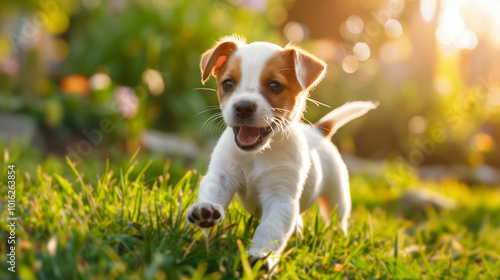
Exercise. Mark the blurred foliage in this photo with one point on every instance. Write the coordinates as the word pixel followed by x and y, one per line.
pixel 122 40
pixel 70 64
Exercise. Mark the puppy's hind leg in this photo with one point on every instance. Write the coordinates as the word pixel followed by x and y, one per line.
pixel 337 194
pixel 336 188
pixel 299 226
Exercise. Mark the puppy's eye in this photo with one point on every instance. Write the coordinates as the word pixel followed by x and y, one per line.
pixel 275 87
pixel 227 85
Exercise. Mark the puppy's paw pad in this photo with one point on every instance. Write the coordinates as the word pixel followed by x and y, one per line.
pixel 205 215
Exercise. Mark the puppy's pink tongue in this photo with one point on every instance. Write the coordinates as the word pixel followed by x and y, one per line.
pixel 248 135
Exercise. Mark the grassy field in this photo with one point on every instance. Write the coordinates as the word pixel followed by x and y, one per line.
pixel 127 221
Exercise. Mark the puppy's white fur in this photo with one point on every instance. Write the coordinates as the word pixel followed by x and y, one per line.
pixel 293 167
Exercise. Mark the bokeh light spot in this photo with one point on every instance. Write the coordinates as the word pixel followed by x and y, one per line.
pixel 127 101
pixel 57 23
pixel 99 81
pixel 466 40
pixel 483 142
pixel 417 125
pixel 344 32
pixel 450 26
pixel 76 84
pixel 350 64
pixel 355 24
pixel 361 51
pixel 9 67
pixel 393 28
pixel 294 31
pixel 428 9
pixel 443 85
pixel 154 80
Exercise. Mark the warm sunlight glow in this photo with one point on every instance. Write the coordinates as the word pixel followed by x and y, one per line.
pixel 460 22
pixel 428 9
pixel 450 25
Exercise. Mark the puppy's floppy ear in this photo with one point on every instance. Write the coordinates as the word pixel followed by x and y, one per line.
pixel 213 60
pixel 309 69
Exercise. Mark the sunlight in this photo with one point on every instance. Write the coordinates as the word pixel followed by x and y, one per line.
pixel 450 23
pixel 428 9
pixel 460 22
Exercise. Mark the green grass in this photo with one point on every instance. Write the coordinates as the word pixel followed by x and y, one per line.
pixel 128 222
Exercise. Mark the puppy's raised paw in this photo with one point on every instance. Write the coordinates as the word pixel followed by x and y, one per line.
pixel 205 215
pixel 253 259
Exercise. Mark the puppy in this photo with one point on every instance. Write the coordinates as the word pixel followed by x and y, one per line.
pixel 266 155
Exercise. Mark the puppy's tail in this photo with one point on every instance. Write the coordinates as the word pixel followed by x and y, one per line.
pixel 337 118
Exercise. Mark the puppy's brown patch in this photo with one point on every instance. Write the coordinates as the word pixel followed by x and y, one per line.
pixel 231 70
pixel 281 68
pixel 326 127
pixel 214 59
pixel 313 69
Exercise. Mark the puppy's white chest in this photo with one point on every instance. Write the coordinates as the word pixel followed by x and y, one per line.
pixel 250 178
pixel 276 171
pixel 253 169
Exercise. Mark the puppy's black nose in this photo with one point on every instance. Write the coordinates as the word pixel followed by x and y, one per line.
pixel 244 109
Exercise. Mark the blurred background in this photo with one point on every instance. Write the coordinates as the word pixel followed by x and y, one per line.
pixel 96 79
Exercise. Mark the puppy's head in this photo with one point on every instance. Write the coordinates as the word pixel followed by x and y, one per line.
pixel 262 87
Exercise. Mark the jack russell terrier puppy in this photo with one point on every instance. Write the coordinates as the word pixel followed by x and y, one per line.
pixel 266 155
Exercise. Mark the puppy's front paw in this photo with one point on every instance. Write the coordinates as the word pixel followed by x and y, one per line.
pixel 266 265
pixel 205 215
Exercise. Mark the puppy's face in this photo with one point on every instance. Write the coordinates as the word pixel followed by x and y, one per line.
pixel 261 87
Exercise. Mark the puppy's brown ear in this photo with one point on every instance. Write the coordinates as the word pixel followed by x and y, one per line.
pixel 309 69
pixel 213 60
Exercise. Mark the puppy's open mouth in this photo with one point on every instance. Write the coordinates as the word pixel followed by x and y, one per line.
pixel 248 137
